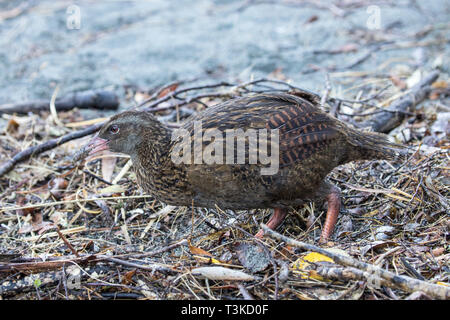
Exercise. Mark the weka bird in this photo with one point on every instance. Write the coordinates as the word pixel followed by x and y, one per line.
pixel 311 144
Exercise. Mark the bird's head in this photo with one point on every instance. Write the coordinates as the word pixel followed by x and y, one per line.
pixel 125 133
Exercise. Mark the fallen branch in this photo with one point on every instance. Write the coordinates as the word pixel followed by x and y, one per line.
pixel 393 115
pixel 349 273
pixel 90 99
pixel 404 283
pixel 39 266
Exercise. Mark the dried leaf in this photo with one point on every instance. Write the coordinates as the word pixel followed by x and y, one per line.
pixel 37 225
pixel 115 188
pixel 199 251
pixel 128 277
pixel 376 245
pixel 12 126
pixel 108 165
pixel 221 273
pixel 168 90
pixel 438 251
pixel 440 84
pixel 385 229
pixel 399 83
pixel 57 186
pixel 312 19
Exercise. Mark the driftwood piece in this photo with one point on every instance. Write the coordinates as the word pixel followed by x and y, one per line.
pixel 90 99
pixel 393 115
pixel 371 272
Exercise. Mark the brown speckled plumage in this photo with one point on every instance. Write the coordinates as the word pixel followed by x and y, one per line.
pixel 312 143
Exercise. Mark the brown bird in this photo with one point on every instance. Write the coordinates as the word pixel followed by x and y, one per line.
pixel 193 166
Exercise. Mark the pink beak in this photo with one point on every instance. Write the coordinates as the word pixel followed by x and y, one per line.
pixel 96 145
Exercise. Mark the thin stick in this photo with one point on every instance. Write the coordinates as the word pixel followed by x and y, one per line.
pixel 164 249
pixel 245 294
pixel 152 267
pixel 49 204
pixel 64 239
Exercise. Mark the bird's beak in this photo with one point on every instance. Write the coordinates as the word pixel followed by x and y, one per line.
pixel 96 145
pixel 93 147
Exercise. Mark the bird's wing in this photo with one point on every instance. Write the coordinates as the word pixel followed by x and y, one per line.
pixel 303 128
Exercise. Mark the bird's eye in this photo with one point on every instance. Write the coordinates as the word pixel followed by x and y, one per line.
pixel 114 129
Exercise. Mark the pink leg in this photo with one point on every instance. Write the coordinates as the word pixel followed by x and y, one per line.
pixel 334 205
pixel 275 220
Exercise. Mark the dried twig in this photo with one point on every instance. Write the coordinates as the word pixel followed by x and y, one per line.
pixel 91 99
pixel 152 267
pixel 245 294
pixel 64 239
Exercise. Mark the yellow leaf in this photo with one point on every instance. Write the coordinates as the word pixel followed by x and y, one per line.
pixel 215 261
pixel 304 266
pixel 209 260
pixel 443 284
pixel 316 257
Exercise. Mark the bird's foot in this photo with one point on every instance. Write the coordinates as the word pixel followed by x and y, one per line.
pixel 275 220
pixel 334 205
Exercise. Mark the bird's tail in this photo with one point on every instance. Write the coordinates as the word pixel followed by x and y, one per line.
pixel 371 146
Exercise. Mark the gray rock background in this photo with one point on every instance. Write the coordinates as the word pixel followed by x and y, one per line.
pixel 148 43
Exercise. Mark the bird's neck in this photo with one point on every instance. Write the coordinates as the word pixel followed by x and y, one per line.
pixel 157 174
pixel 153 149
